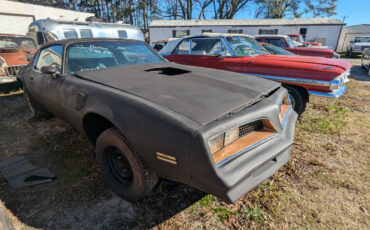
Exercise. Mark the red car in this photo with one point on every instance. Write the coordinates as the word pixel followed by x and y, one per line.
pixel 299 38
pixel 16 51
pixel 286 43
pixel 317 80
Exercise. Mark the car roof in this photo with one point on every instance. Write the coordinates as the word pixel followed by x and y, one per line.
pixel 14 35
pixel 271 35
pixel 78 40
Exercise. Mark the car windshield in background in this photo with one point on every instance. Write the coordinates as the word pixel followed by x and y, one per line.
pixel 276 50
pixel 362 39
pixel 8 42
pixel 245 46
pixel 106 54
pixel 290 42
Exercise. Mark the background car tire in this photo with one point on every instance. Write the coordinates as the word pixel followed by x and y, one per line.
pixel 297 98
pixel 35 109
pixel 112 143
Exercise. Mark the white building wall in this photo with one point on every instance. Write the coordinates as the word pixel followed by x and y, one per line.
pixel 10 11
pixel 329 33
pixel 349 33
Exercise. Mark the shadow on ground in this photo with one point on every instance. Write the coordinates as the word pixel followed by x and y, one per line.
pixel 78 199
pixel 359 73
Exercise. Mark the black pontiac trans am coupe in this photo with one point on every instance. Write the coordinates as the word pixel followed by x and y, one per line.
pixel 220 132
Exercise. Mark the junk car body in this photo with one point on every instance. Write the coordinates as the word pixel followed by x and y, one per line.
pixel 48 30
pixel 15 52
pixel 215 130
pixel 286 42
pixel 317 80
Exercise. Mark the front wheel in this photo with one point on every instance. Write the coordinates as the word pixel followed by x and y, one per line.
pixel 122 168
pixel 297 99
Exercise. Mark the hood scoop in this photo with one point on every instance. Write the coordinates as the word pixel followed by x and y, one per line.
pixel 170 71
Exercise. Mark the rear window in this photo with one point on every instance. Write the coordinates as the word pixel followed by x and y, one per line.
pixel 70 33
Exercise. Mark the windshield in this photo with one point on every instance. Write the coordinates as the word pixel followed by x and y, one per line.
pixel 106 54
pixel 290 42
pixel 9 42
pixel 276 50
pixel 301 38
pixel 362 39
pixel 245 46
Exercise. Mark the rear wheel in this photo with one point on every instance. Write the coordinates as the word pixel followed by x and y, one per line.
pixel 297 99
pixel 122 168
pixel 35 109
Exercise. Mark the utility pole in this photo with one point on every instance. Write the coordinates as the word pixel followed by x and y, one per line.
pixel 344 18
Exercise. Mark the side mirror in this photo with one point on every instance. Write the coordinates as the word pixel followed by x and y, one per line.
pixel 52 70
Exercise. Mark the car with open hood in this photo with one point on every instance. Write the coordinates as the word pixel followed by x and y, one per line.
pixel 218 131
pixel 16 51
pixel 317 80
pixel 285 42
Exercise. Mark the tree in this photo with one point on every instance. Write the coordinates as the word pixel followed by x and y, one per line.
pixel 296 8
pixel 226 9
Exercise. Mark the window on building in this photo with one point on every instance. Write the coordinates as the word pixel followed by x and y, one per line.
pixel 279 42
pixel 180 33
pixel 235 31
pixel 206 31
pixel 303 31
pixel 274 31
pixel 122 33
pixel 86 33
pixel 70 33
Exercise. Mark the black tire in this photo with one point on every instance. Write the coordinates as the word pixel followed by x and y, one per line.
pixel 297 99
pixel 35 109
pixel 122 168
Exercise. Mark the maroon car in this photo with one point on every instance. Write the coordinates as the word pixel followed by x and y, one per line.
pixel 287 43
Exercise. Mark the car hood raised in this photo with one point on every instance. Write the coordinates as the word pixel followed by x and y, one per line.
pixel 316 61
pixel 200 94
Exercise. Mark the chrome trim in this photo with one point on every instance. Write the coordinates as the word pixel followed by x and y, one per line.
pixel 227 159
pixel 323 98
pixel 11 66
pixel 6 80
pixel 292 79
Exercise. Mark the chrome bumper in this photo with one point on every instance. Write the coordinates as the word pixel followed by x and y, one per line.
pixel 7 80
pixel 321 98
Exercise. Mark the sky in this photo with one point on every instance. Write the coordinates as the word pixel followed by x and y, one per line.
pixel 355 12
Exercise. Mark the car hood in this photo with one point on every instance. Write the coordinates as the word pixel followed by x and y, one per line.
pixel 315 61
pixel 201 94
pixel 316 50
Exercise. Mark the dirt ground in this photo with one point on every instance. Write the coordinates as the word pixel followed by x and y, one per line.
pixel 325 185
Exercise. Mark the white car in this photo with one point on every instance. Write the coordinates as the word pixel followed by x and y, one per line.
pixel 358 45
pixel 365 60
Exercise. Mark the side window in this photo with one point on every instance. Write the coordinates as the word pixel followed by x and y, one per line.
pixel 50 56
pixel 279 42
pixel 208 47
pixel 182 48
pixel 122 33
pixel 70 33
pixel 86 33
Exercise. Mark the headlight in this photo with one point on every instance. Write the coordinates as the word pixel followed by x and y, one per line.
pixel 216 143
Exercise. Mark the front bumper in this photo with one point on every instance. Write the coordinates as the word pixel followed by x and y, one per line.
pixel 7 80
pixel 232 180
pixel 322 98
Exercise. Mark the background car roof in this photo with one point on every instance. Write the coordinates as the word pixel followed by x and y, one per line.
pixel 271 35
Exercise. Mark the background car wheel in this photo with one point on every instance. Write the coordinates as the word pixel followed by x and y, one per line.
pixel 297 99
pixel 122 168
pixel 35 109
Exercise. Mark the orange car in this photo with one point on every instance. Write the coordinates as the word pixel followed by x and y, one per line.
pixel 16 51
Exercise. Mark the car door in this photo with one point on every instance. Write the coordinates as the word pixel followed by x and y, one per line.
pixel 180 54
pixel 212 53
pixel 38 83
